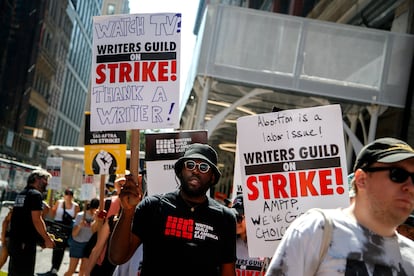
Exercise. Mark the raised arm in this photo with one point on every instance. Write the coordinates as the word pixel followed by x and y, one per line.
pixel 123 242
pixel 103 235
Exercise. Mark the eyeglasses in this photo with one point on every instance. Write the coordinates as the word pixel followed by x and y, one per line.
pixel 202 167
pixel 397 175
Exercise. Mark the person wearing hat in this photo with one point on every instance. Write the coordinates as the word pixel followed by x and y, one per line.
pixel 364 238
pixel 245 265
pixel 183 232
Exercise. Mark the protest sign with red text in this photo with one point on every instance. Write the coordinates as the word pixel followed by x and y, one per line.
pixel 290 161
pixel 135 71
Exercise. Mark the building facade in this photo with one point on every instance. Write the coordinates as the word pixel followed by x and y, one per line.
pixel 257 56
pixel 70 113
pixel 35 39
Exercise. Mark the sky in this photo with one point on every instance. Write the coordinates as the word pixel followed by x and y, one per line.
pixel 188 10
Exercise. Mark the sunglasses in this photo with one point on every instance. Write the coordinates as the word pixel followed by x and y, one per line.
pixel 397 175
pixel 191 165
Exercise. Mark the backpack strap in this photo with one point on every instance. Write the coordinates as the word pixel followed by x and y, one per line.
pixel 326 237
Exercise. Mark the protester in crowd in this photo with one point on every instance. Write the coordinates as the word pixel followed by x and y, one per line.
pixel 27 227
pixel 64 212
pixel 227 202
pixel 98 263
pixel 5 229
pixel 245 265
pixel 184 232
pixel 351 185
pixel 364 238
pixel 407 228
pixel 81 234
pixel 46 209
pixel 110 189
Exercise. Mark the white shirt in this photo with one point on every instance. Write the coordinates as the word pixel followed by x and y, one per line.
pixel 354 250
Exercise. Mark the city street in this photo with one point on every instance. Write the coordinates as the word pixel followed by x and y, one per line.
pixel 43 256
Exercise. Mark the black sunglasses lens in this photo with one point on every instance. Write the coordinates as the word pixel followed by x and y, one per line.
pixel 399 175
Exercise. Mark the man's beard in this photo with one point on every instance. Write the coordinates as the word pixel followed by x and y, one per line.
pixel 42 188
pixel 202 190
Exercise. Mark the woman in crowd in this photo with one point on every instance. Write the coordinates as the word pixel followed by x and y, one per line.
pixel 81 234
pixel 64 212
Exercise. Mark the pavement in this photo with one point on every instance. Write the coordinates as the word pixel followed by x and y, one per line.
pixel 43 256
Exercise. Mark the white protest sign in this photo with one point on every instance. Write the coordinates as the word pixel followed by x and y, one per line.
pixel 135 71
pixel 237 182
pixel 88 187
pixel 161 177
pixel 54 167
pixel 290 161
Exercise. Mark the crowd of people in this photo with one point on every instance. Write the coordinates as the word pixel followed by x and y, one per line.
pixel 186 232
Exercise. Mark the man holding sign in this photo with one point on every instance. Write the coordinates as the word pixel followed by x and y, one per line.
pixel 363 237
pixel 182 232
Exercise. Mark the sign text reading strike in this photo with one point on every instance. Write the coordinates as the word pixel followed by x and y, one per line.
pixel 295 184
pixel 148 71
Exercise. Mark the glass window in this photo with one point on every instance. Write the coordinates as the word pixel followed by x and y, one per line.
pixel 111 9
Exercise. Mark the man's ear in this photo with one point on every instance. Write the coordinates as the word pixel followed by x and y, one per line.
pixel 213 179
pixel 360 178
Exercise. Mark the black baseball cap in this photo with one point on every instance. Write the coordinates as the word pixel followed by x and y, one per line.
pixel 199 151
pixel 384 150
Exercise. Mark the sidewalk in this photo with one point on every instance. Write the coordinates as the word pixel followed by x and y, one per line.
pixel 44 261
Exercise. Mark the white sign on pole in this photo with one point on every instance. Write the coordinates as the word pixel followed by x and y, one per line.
pixel 135 71
pixel 88 187
pixel 54 167
pixel 290 161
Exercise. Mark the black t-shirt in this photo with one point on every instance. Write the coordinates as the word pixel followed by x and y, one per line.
pixel 178 241
pixel 21 224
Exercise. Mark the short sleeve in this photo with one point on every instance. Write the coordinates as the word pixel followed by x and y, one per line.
pixel 145 212
pixel 35 201
pixel 298 251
